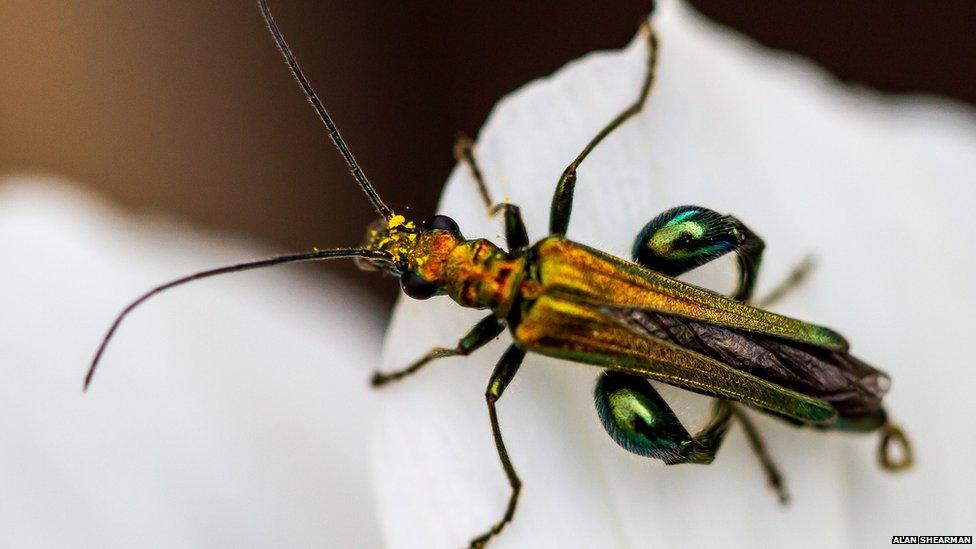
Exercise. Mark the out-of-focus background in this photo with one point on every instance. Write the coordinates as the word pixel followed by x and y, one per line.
pixel 187 108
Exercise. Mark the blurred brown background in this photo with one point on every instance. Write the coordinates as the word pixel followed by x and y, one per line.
pixel 187 107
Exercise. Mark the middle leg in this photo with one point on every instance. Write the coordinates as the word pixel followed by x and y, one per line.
pixel 504 372
pixel 562 200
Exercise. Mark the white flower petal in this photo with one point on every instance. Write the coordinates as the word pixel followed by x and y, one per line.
pixel 229 413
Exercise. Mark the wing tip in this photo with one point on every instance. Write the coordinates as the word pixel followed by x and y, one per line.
pixel 819 412
pixel 830 339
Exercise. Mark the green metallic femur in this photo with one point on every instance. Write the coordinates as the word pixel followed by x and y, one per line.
pixel 685 237
pixel 637 418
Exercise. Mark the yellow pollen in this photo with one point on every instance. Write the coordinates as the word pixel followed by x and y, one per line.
pixel 397 242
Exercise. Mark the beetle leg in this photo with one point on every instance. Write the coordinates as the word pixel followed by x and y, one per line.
pixel 516 237
pixel 748 256
pixel 773 476
pixel 464 152
pixel 685 237
pixel 477 337
pixel 796 277
pixel 709 439
pixel 638 419
pixel 890 459
pixel 894 449
pixel 506 369
pixel 562 200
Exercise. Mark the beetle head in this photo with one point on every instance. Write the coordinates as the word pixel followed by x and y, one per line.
pixel 417 254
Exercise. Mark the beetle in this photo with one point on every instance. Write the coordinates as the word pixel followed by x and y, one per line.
pixel 633 319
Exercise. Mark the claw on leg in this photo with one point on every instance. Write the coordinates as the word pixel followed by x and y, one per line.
pixel 894 450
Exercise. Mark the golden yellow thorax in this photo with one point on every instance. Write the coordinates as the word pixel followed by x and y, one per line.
pixel 479 274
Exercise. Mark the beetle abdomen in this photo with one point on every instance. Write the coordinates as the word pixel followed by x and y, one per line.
pixel 854 388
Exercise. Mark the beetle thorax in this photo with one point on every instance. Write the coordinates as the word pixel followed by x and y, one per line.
pixel 479 274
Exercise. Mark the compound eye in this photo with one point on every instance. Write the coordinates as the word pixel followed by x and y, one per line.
pixel 417 286
pixel 443 223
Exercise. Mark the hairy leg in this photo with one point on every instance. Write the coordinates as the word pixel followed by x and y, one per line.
pixel 504 372
pixel 562 200
pixel 483 332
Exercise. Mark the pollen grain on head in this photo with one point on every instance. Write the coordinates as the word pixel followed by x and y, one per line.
pixel 395 236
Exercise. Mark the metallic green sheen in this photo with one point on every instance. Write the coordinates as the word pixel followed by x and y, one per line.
pixel 637 419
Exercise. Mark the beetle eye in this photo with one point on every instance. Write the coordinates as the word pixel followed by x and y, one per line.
pixel 443 223
pixel 417 286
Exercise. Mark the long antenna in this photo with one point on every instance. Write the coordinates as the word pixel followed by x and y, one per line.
pixel 276 260
pixel 357 172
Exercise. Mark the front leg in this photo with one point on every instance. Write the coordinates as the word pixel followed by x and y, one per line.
pixel 483 332
pixel 516 237
pixel 464 152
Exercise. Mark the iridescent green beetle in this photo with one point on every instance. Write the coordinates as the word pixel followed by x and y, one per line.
pixel 633 319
